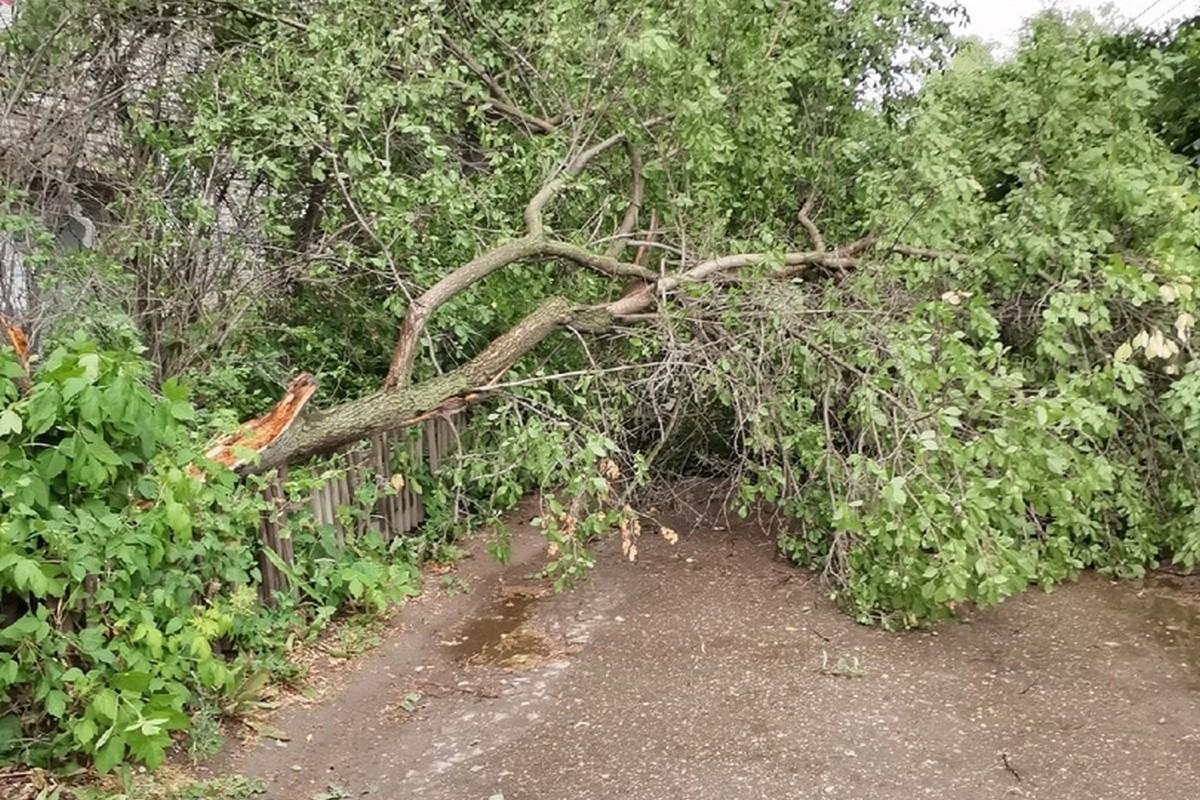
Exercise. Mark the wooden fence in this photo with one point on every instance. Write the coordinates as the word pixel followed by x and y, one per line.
pixel 397 509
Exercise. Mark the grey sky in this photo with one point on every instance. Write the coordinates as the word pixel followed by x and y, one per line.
pixel 999 20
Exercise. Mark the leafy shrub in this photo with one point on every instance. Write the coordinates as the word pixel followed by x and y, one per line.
pixel 127 577
pixel 954 429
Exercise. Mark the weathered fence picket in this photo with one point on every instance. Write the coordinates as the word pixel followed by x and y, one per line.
pixel 270 530
pixel 397 508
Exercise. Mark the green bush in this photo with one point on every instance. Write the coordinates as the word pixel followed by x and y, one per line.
pixel 954 429
pixel 126 576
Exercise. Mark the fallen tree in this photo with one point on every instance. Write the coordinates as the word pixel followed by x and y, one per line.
pixel 292 431
pixel 1007 395
pixel 942 340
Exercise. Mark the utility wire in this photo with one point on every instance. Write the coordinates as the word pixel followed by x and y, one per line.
pixel 1165 14
pixel 1140 14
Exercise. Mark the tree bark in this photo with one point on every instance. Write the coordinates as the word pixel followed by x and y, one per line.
pixel 389 409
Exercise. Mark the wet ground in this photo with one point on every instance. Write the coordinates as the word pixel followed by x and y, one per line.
pixel 709 669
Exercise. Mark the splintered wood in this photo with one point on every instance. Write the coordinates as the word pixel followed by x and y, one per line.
pixel 256 434
pixel 19 342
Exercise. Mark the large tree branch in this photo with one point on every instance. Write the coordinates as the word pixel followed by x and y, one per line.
pixel 417 317
pixel 397 407
pixel 637 191
pixel 324 431
pixel 398 403
pixel 392 408
pixel 532 244
pixel 501 100
pixel 19 342
pixel 534 210
pixel 600 263
pixel 404 355
pixel 806 220
pixel 233 450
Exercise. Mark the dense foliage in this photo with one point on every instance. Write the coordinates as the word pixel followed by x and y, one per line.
pixel 1002 392
pixel 1025 405
pixel 1174 115
pixel 128 577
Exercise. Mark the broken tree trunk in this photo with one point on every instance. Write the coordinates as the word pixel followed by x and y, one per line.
pixel 20 345
pixel 389 409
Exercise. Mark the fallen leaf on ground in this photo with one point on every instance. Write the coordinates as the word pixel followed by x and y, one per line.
pixel 268 730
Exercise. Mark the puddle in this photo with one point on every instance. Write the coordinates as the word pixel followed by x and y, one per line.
pixel 1175 609
pixel 1171 606
pixel 503 637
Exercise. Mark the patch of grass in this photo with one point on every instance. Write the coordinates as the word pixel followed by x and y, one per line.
pixel 332 792
pixel 233 787
pixel 452 585
pixel 228 787
pixel 412 701
pixel 447 553
pixel 356 636
pixel 206 736
pixel 246 695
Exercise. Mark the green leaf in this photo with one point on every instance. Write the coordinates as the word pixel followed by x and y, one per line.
pixel 174 391
pixel 10 732
pixel 91 366
pixel 134 681
pixel 103 453
pixel 110 754
pixel 1057 464
pixel 42 410
pixel 84 731
pixel 894 492
pixel 55 703
pixel 183 411
pixel 28 575
pixel 10 422
pixel 151 749
pixel 51 463
pixel 179 518
pixel 26 628
pixel 104 704
pixel 73 386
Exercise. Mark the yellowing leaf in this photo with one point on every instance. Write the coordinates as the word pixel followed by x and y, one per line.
pixel 1160 346
pixel 397 481
pixel 1183 326
pixel 10 422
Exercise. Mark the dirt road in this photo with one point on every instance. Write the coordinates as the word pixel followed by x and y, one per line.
pixel 711 670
